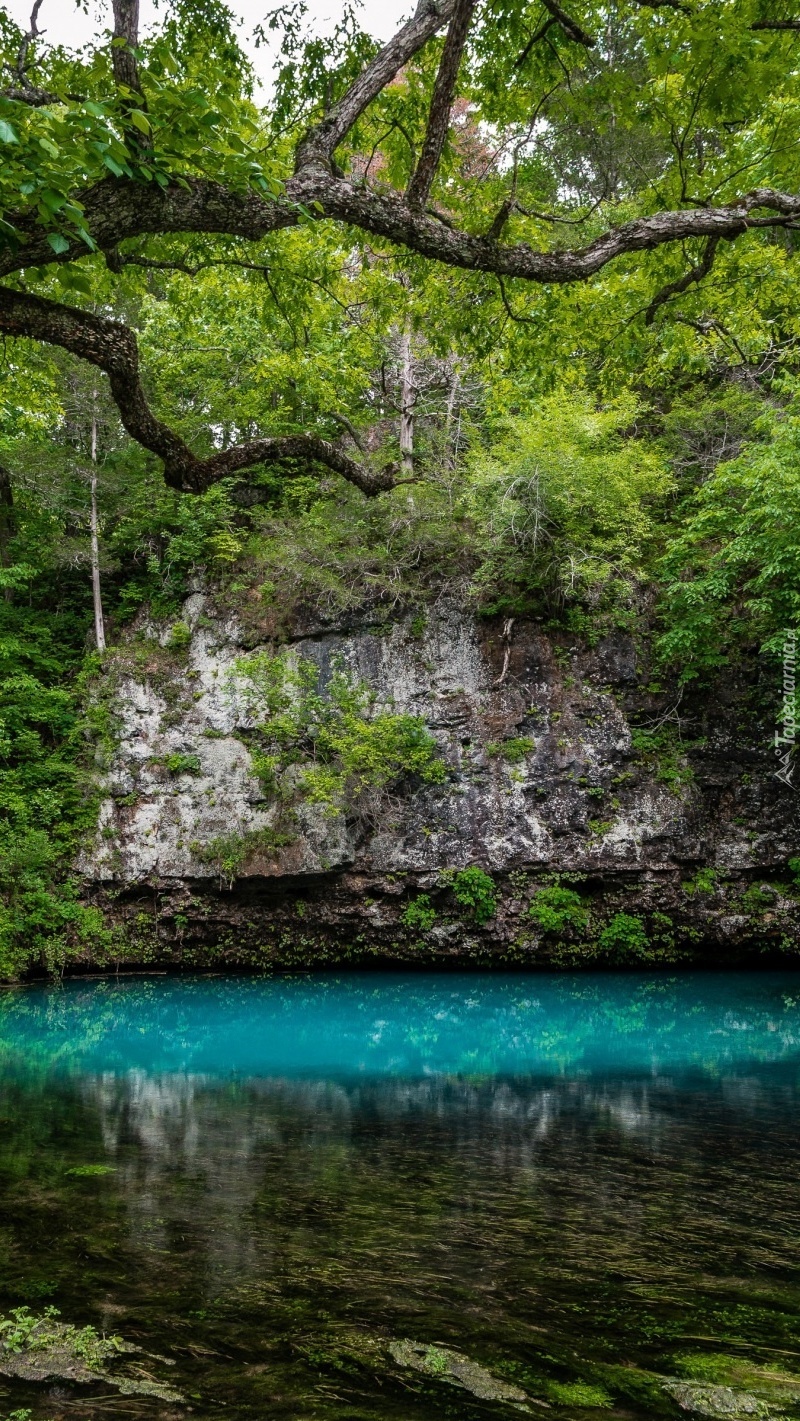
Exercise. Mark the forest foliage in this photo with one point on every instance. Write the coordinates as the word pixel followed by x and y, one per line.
pixel 580 451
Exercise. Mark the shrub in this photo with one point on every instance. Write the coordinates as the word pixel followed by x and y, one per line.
pixel 475 890
pixel 557 910
pixel 228 853
pixel 564 505
pixel 704 881
pixel 419 915
pixel 733 574
pixel 180 636
pixel 623 938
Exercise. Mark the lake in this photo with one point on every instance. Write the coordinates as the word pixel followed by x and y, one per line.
pixel 407 1195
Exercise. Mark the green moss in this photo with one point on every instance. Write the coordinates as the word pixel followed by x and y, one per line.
pixel 90 1171
pixel 662 752
pixel 756 900
pixel 514 750
pixel 578 1394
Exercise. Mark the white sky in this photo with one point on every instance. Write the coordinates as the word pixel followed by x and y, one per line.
pixel 62 22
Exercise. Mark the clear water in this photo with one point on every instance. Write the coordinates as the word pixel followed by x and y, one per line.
pixel 589 1185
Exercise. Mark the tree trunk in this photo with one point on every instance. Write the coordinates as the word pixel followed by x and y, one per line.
pixel 126 27
pixel 6 524
pixel 451 445
pixel 99 624
pixel 408 399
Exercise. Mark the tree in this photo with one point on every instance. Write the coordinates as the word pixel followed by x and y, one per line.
pixel 650 127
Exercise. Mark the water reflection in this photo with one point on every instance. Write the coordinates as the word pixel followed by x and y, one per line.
pixel 405 1025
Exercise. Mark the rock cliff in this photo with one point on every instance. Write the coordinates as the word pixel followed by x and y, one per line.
pixel 671 840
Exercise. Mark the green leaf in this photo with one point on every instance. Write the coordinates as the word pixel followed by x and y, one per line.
pixel 7 133
pixel 139 120
pixel 87 238
pixel 73 280
pixel 58 243
pixel 113 166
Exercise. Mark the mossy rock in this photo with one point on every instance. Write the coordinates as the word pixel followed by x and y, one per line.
pixel 706 1399
pixel 40 1348
pixel 444 1364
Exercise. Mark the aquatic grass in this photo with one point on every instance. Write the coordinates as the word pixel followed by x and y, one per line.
pixel 90 1171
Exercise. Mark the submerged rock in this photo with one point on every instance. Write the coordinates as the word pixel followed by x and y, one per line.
pixel 42 1349
pixel 724 1401
pixel 449 1366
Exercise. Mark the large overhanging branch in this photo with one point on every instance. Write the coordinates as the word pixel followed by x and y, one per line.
pixel 123 211
pixel 112 347
pixel 117 210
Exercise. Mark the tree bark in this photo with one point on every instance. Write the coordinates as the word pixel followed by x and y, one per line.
pixel 126 31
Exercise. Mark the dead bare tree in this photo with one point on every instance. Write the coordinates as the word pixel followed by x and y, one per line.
pixel 97 600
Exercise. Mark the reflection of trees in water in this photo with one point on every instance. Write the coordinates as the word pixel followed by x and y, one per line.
pixel 453 1187
pixel 405 1024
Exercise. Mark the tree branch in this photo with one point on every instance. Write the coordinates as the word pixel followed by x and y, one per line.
pixel 689 278
pixel 27 41
pixel 441 102
pixel 112 348
pixel 319 143
pixel 116 210
pixel 534 39
pixel 665 5
pixel 510 312
pixel 24 92
pixel 570 27
pixel 707 325
pixel 773 24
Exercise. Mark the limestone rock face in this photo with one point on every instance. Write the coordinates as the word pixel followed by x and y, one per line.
pixel 571 794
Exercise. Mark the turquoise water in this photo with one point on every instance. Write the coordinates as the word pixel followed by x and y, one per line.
pixel 588 1186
